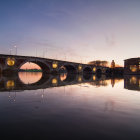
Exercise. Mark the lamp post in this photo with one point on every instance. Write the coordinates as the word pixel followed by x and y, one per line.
pixel 46 53
pixel 10 51
pixel 43 55
pixel 35 52
pixel 15 49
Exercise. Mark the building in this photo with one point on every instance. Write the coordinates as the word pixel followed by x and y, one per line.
pixel 132 66
pixel 132 82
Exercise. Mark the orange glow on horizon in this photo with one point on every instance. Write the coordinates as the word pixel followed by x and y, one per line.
pixel 116 65
pixel 30 66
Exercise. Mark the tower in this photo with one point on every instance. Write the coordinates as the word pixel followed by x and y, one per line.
pixel 113 64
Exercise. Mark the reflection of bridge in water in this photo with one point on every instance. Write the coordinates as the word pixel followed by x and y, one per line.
pixel 16 83
pixel 12 63
pixel 47 81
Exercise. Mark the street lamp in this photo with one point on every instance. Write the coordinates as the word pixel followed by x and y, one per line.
pixel 46 52
pixel 35 52
pixel 15 49
pixel 10 51
pixel 65 57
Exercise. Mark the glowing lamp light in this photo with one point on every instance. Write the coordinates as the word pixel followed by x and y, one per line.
pixel 54 65
pixel 79 79
pixel 94 77
pixel 10 61
pixel 133 68
pixel 94 69
pixel 54 81
pixel 63 77
pixel 10 84
pixel 80 67
pixel 133 80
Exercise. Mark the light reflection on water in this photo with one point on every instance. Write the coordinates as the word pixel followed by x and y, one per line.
pixel 63 76
pixel 30 77
pixel 100 108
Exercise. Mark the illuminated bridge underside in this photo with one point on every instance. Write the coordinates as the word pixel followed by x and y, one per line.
pixel 13 63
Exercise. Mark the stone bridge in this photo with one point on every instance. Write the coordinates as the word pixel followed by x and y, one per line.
pixel 13 63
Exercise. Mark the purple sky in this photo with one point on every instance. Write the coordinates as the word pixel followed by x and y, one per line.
pixel 74 30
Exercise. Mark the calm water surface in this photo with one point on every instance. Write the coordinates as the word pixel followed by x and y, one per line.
pixel 69 107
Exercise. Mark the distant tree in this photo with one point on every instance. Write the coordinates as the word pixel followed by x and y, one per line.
pixel 99 63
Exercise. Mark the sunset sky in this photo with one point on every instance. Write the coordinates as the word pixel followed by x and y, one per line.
pixel 73 30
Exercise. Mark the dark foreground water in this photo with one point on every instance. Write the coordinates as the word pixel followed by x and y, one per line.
pixel 69 107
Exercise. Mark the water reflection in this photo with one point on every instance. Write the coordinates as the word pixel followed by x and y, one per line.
pixel 10 84
pixel 132 82
pixel 54 81
pixel 30 77
pixel 36 80
pixel 63 76
pixel 69 105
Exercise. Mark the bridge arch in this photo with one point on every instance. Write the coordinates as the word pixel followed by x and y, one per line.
pixel 107 71
pixel 69 68
pixel 87 70
pixel 42 80
pixel 44 66
pixel 62 69
pixel 29 77
pixel 0 69
pixel 70 78
pixel 98 71
pixel 87 77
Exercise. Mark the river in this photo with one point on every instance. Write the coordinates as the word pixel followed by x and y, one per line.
pixel 69 107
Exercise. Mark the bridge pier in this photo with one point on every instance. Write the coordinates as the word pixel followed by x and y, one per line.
pixel 9 72
pixel 0 70
pixel 54 72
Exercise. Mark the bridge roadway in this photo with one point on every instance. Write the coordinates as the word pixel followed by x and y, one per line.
pixel 14 83
pixel 12 63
